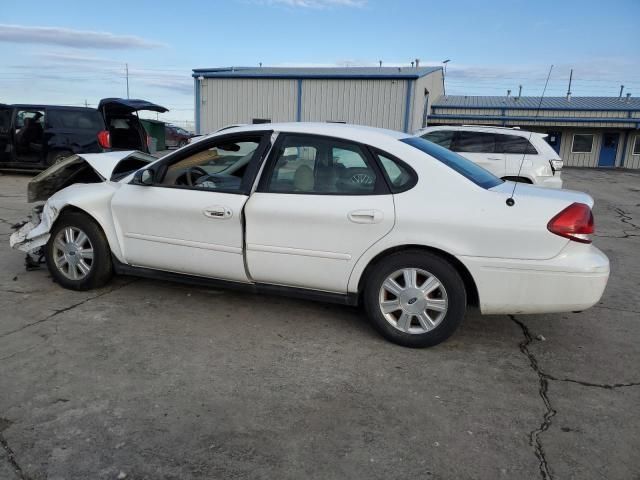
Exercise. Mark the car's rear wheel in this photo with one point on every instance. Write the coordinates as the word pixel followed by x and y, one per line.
pixel 77 253
pixel 182 143
pixel 415 298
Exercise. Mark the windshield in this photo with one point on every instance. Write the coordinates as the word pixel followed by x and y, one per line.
pixel 464 167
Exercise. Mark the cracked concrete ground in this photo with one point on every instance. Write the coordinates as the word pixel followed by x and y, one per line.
pixel 160 380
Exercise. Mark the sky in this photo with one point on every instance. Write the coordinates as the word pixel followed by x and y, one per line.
pixel 72 52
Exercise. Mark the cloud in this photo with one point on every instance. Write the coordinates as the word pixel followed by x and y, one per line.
pixel 318 4
pixel 71 38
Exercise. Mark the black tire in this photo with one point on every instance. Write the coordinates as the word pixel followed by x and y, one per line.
pixel 101 268
pixel 56 156
pixel 444 272
pixel 182 143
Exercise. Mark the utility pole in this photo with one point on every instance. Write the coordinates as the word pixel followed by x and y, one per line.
pixel 126 67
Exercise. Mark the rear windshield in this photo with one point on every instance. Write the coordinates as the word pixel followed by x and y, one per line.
pixel 464 167
pixel 76 119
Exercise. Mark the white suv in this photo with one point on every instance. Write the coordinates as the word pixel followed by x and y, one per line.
pixel 509 153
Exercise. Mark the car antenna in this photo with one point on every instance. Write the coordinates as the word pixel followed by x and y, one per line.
pixel 510 201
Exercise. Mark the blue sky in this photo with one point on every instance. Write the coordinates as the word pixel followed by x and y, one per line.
pixel 72 51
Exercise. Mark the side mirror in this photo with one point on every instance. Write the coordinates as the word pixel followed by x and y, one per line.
pixel 143 177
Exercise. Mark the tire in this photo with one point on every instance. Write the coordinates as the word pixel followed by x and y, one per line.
pixel 182 143
pixel 419 321
pixel 56 156
pixel 64 258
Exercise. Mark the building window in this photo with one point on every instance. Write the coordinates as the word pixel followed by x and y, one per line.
pixel 636 146
pixel 582 143
pixel 257 121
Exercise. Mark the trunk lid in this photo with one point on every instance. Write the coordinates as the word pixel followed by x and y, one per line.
pixel 126 106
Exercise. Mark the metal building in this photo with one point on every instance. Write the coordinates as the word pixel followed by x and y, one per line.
pixel 387 97
pixel 585 131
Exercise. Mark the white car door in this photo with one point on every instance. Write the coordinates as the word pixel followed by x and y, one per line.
pixel 480 148
pixel 320 205
pixel 190 219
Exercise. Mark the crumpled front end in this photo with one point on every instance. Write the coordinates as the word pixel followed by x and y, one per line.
pixel 34 234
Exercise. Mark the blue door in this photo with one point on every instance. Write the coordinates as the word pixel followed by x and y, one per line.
pixel 553 139
pixel 608 150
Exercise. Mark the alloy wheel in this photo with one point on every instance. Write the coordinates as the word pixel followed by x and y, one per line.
pixel 413 300
pixel 73 253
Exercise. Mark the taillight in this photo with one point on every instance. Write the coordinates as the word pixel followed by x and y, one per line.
pixel 556 165
pixel 148 140
pixel 574 222
pixel 104 139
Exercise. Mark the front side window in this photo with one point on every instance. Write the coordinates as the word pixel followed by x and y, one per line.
pixel 219 166
pixel 458 163
pixel 440 137
pixel 512 144
pixel 474 142
pixel 582 143
pixel 320 165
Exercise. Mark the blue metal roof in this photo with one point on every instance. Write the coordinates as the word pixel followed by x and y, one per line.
pixel 548 103
pixel 303 72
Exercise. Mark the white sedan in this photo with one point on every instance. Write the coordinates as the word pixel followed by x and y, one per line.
pixel 408 229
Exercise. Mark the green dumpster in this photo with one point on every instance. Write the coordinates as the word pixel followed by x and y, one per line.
pixel 155 129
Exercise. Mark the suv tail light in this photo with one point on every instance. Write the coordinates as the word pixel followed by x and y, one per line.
pixel 148 140
pixel 556 165
pixel 104 139
pixel 574 222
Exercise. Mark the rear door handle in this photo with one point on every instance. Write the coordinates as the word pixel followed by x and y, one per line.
pixel 218 212
pixel 366 216
pixel 493 158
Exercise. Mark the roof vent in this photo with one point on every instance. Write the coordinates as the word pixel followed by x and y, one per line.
pixel 417 62
pixel 628 97
pixel 508 93
pixel 412 64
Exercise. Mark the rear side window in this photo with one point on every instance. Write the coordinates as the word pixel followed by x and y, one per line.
pixel 464 167
pixel 474 142
pixel 76 119
pixel 514 145
pixel 440 137
pixel 401 177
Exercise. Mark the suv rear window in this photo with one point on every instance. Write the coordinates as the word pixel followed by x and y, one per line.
pixel 514 144
pixel 76 119
pixel 464 167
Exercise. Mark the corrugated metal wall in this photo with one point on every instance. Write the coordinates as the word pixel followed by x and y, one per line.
pixel 433 83
pixel 378 103
pixel 630 160
pixel 239 100
pixel 580 159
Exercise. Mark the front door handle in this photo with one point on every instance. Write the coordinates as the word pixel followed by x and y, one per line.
pixel 366 216
pixel 218 212
pixel 493 158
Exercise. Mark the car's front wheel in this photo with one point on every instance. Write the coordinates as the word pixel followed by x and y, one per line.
pixel 415 298
pixel 78 254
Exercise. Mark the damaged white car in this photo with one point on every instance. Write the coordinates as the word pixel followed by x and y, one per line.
pixel 408 229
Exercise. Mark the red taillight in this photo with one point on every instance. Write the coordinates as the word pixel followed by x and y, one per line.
pixel 574 222
pixel 104 139
pixel 148 141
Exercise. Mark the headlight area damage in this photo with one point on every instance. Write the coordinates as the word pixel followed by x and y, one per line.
pixel 79 173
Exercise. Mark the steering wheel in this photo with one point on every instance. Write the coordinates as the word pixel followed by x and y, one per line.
pixel 360 176
pixel 191 170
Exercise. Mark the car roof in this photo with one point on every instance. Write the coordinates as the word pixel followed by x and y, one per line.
pixel 482 128
pixel 359 133
pixel 39 105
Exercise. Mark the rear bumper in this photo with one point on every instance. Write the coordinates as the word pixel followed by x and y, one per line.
pixel 550 182
pixel 572 281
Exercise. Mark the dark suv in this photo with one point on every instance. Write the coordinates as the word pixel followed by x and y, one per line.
pixel 36 136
